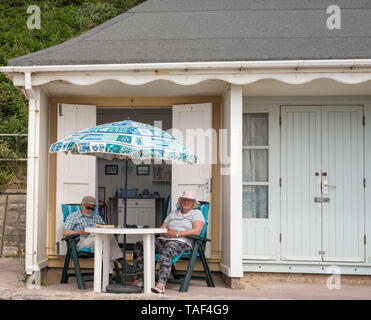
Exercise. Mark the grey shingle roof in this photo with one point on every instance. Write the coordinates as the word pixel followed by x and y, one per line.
pixel 218 30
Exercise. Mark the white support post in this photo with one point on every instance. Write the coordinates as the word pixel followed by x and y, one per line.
pixel 367 182
pixel 32 178
pixel 236 182
pixel 231 172
pixel 29 252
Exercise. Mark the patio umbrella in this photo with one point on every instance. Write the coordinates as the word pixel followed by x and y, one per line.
pixel 125 140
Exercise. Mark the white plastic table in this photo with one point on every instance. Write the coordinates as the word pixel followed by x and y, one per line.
pixel 102 253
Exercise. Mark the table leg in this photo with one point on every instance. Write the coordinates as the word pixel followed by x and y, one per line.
pixel 98 263
pixel 106 262
pixel 153 262
pixel 148 262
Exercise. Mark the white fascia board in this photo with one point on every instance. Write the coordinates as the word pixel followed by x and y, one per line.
pixel 190 73
pixel 296 64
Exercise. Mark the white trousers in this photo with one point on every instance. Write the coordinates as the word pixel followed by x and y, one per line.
pixel 115 251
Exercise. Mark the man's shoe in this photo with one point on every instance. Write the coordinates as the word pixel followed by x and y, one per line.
pixel 131 270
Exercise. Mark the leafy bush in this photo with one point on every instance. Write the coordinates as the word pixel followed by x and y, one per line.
pixel 95 13
pixel 11 173
pixel 60 21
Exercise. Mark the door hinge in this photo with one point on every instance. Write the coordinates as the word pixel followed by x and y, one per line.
pixel 280 121
pixel 321 252
pixel 209 185
pixel 364 183
pixel 280 237
pixel 280 182
pixel 364 239
pixel 60 109
pixel 364 120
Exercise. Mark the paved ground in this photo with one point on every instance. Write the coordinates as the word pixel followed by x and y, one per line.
pixel 253 287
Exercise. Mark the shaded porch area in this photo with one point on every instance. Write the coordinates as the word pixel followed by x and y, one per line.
pixel 110 95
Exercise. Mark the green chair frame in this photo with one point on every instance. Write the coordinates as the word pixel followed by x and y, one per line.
pixel 73 254
pixel 198 253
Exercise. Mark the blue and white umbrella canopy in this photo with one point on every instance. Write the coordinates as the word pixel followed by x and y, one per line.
pixel 125 140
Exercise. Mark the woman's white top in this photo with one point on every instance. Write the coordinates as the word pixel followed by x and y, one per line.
pixel 183 222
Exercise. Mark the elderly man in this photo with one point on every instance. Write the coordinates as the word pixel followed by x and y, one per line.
pixel 183 222
pixel 77 221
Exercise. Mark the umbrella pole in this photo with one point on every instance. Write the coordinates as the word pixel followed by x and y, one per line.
pixel 125 213
pixel 123 288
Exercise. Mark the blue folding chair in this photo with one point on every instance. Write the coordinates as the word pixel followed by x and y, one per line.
pixel 73 254
pixel 198 253
pixel 167 208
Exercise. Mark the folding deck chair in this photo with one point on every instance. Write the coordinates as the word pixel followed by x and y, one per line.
pixel 73 254
pixel 198 253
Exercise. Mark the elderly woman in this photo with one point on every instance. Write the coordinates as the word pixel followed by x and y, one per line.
pixel 186 221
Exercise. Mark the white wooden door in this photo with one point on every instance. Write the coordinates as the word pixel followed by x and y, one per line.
pixel 196 177
pixel 322 196
pixel 300 171
pixel 343 169
pixel 75 174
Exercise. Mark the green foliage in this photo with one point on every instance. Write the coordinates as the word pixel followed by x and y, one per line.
pixel 11 173
pixel 60 21
pixel 96 13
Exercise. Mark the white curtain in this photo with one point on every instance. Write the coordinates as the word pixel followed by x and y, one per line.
pixel 255 165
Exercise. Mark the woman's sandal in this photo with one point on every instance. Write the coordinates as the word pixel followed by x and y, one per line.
pixel 158 290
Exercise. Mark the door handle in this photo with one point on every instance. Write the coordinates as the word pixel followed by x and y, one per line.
pixel 206 185
pixel 325 187
pixel 325 184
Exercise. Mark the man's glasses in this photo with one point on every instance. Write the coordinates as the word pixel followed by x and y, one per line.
pixel 90 208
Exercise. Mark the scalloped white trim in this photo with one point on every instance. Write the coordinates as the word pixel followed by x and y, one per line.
pixel 187 74
pixel 188 80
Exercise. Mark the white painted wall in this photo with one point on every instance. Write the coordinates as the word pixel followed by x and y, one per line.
pixel 231 260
